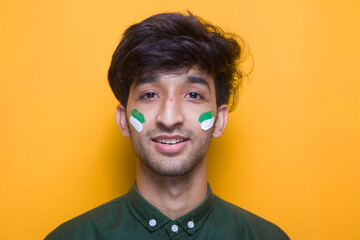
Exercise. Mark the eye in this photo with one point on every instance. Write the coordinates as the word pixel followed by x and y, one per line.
pixel 149 95
pixel 194 95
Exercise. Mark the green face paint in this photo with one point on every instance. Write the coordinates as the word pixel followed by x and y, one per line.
pixel 206 115
pixel 138 115
pixel 136 120
pixel 207 120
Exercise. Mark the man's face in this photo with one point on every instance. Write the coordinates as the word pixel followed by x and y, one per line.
pixel 171 141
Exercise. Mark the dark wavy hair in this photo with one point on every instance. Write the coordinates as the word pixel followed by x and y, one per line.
pixel 178 42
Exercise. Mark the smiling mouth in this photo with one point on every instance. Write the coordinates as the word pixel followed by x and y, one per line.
pixel 170 141
pixel 166 144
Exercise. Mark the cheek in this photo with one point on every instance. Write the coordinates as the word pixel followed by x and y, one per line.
pixel 143 122
pixel 137 120
pixel 206 120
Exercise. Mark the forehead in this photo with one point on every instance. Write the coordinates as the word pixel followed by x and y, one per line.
pixel 193 76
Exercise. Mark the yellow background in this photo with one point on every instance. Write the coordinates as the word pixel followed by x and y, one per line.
pixel 290 152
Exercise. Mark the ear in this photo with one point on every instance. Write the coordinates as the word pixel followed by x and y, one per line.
pixel 122 121
pixel 221 120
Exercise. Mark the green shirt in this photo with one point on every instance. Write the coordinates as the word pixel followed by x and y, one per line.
pixel 132 217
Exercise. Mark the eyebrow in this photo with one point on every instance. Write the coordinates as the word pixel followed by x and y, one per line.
pixel 198 80
pixel 146 79
pixel 151 78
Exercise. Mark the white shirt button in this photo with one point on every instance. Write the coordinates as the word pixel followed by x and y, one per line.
pixel 174 228
pixel 190 224
pixel 152 222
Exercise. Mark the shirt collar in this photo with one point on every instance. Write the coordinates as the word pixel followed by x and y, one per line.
pixel 152 219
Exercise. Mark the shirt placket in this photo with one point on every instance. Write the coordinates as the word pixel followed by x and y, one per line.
pixel 175 231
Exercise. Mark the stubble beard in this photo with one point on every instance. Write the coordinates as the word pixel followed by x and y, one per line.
pixel 170 165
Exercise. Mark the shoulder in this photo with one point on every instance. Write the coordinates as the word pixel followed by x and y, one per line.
pixel 247 222
pixel 87 224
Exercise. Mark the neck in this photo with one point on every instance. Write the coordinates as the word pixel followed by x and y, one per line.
pixel 173 196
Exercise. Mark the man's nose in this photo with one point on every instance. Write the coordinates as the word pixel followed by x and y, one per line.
pixel 170 113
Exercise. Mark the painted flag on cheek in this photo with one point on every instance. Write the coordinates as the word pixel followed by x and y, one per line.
pixel 207 120
pixel 137 119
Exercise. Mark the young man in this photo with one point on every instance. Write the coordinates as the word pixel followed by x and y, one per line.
pixel 175 76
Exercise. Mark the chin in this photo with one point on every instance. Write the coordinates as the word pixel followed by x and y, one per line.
pixel 172 168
